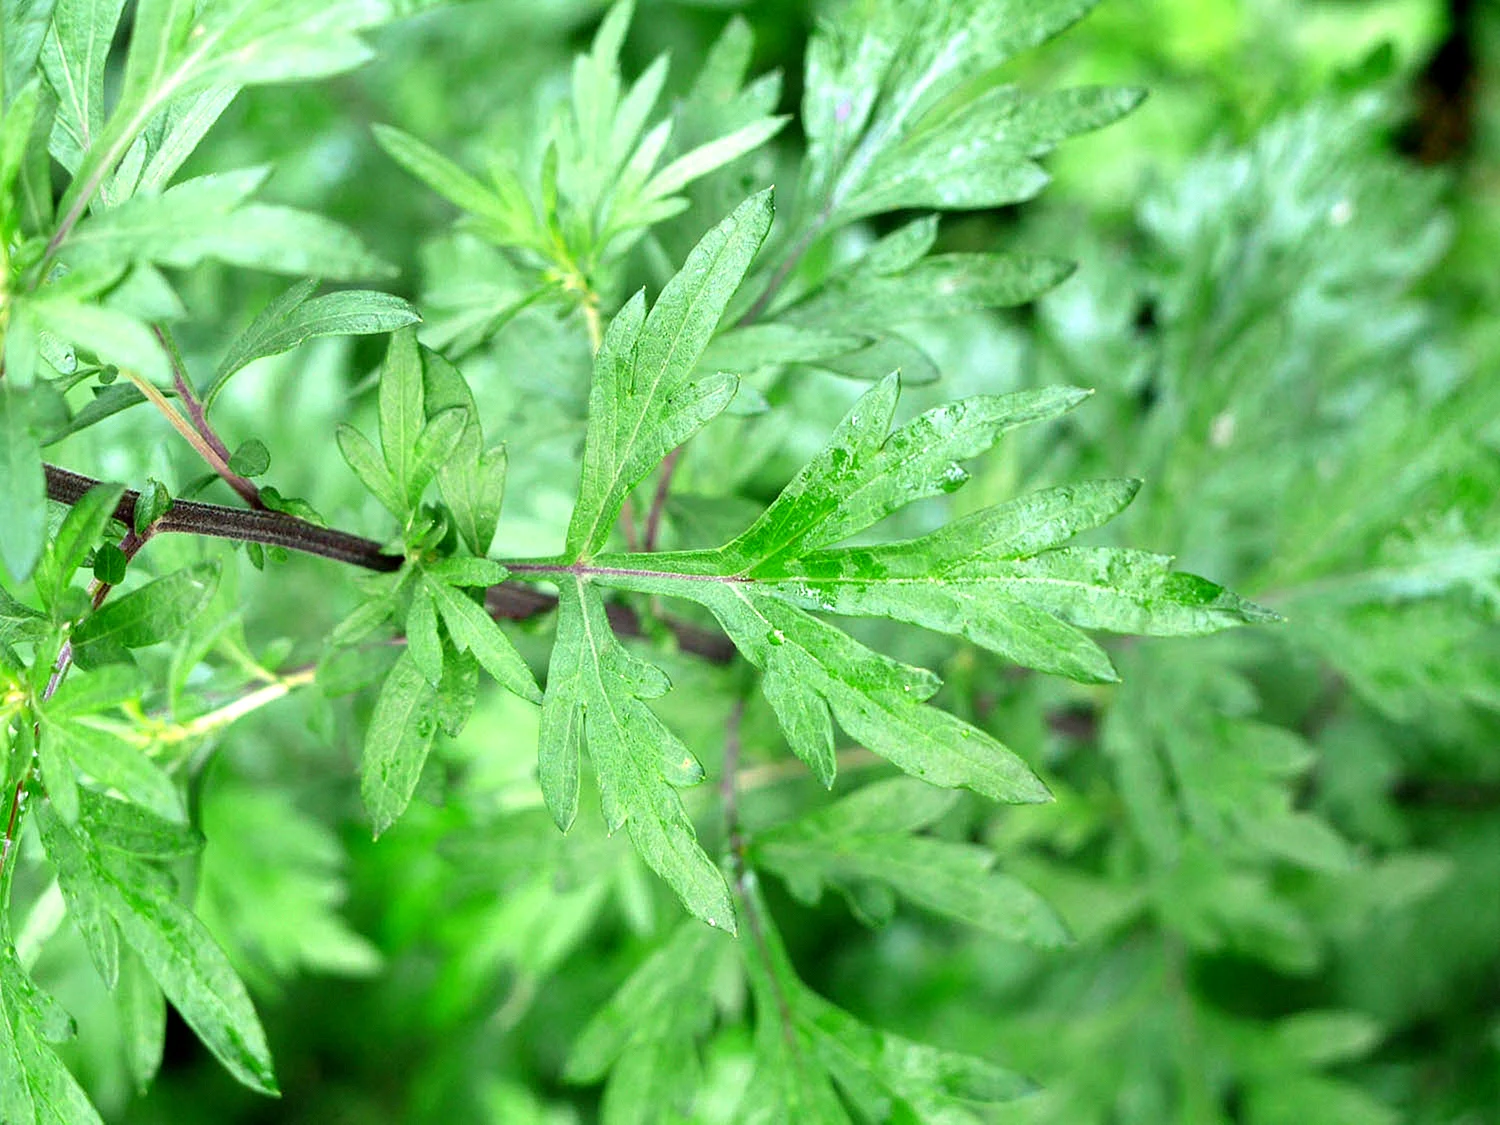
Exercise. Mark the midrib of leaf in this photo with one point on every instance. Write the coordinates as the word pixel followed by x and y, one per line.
pixel 749 898
pixel 845 858
pixel 1471 563
pixel 619 458
pixel 596 660
pixel 596 654
pixel 782 637
pixel 153 101
pixel 79 104
pixel 857 164
pixel 874 140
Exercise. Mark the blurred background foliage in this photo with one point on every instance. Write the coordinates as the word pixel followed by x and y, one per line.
pixel 1279 849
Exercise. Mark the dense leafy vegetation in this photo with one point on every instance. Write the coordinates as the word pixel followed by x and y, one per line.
pixel 566 564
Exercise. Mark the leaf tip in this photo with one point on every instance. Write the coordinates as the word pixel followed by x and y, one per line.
pixel 724 920
pixel 563 813
pixel 1032 791
pixel 1256 614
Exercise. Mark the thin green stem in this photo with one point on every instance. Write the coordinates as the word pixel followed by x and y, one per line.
pixel 198 415
pixel 206 447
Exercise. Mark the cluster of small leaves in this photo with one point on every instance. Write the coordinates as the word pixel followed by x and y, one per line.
pixel 905 110
pixel 429 430
pixel 598 187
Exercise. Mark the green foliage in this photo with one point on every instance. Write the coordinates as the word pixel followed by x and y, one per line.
pixel 598 188
pixel 678 460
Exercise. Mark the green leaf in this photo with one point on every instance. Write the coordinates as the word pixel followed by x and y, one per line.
pixel 124 827
pixel 110 564
pixel 422 635
pixel 80 530
pixel 175 948
pixel 472 480
pixel 939 286
pixel 101 937
pixel 966 578
pixel 153 613
pixel 210 217
pixel 107 688
pixel 802 712
pixel 397 741
pixel 866 472
pixel 142 1008
pixel 804 1045
pixel 381 603
pixel 1120 591
pixel 18 621
pixel 993 579
pixel 107 402
pixel 867 839
pixel 297 316
pixel 52 1022
pixel 175 52
pixel 982 154
pixel 35 1087
pixel 113 336
pixel 595 697
pixel 23 348
pixel 497 213
pixel 754 346
pixel 888 81
pixel 113 762
pixel 643 1038
pixel 644 401
pixel 877 701
pixel 474 630
pixel 23 486
pixel 174 134
pixel 457 692
pixel 288 241
pixel 436 443
pixel 707 157
pixel 250 459
pixel 466 572
pixel 1325 1038
pixel 401 414
pixel 16 127
pixel 73 58
pixel 60 776
pixel 153 502
pixel 158 35
pixel 23 26
pixel 361 455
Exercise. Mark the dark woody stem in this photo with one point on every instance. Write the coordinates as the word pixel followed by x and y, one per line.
pixel 274 529
pixel 512 601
